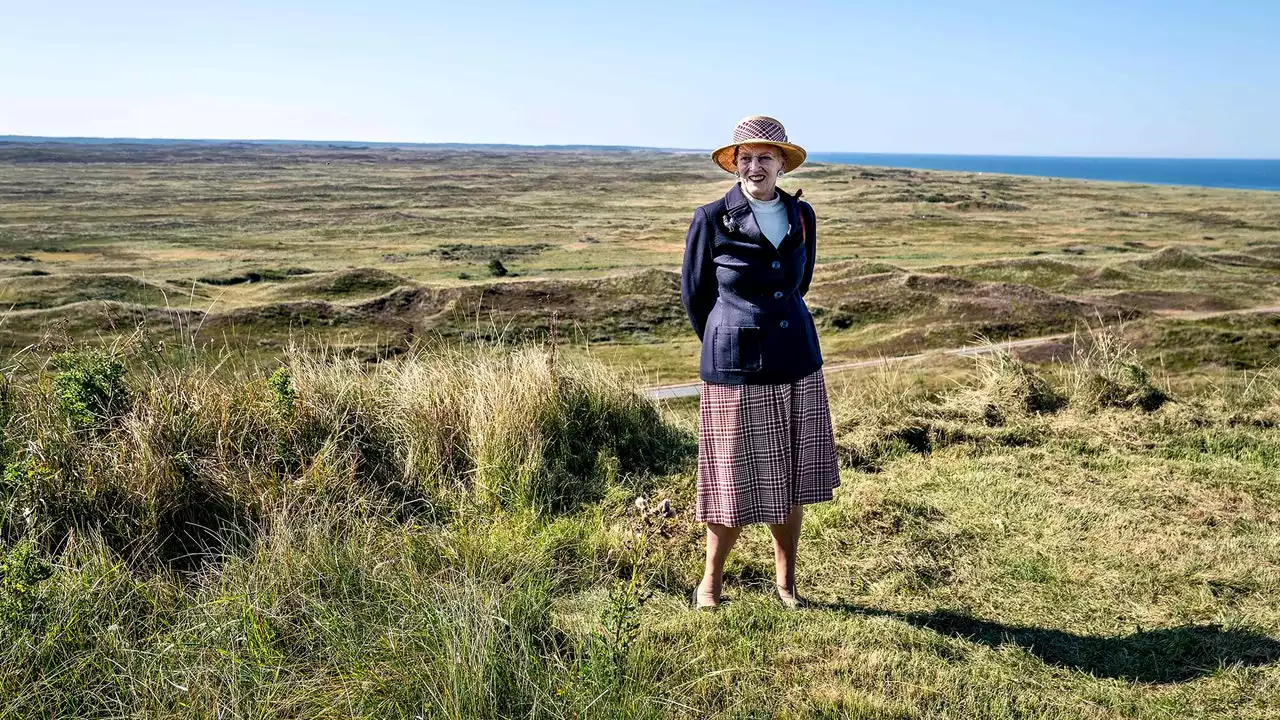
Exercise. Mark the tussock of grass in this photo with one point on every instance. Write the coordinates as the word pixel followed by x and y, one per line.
pixel 1106 373
pixel 1006 388
pixel 1002 406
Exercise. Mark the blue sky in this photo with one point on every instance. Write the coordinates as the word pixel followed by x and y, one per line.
pixel 1122 78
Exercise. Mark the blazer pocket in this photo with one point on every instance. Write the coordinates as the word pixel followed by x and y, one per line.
pixel 736 349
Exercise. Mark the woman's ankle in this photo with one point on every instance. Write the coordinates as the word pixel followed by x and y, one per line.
pixel 709 586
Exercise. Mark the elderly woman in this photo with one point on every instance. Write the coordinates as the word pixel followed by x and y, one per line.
pixel 765 445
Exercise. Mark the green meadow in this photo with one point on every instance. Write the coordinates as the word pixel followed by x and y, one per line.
pixel 330 432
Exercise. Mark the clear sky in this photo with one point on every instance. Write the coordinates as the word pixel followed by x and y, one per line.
pixel 1081 77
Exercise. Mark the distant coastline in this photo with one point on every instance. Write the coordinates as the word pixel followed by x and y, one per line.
pixel 1199 172
pixel 1236 174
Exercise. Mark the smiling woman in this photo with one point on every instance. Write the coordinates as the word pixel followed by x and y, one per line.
pixel 765 444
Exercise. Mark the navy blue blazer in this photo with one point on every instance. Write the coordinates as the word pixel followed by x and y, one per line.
pixel 745 298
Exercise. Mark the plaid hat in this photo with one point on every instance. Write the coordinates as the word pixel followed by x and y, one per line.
pixel 755 130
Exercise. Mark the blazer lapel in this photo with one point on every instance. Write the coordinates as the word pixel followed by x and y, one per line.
pixel 795 235
pixel 743 220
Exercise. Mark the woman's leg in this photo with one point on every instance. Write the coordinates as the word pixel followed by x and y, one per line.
pixel 786 540
pixel 720 540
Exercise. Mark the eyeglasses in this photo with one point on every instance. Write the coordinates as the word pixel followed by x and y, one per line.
pixel 744 159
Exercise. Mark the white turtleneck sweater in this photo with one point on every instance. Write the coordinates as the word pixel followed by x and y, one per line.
pixel 771 216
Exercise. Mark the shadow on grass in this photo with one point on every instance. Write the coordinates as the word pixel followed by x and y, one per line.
pixel 1167 655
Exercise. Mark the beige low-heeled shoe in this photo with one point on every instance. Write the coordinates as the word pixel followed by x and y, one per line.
pixel 695 605
pixel 795 602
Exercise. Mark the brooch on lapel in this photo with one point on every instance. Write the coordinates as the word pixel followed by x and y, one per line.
pixel 729 223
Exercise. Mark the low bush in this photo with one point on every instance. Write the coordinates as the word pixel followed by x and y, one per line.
pixel 22 571
pixel 89 387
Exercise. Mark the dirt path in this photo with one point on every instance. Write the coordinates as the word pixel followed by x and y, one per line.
pixel 694 389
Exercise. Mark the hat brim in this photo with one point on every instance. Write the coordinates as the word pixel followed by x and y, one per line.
pixel 793 156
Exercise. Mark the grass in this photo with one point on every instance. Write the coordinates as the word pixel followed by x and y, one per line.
pixel 453 534
pixel 277 443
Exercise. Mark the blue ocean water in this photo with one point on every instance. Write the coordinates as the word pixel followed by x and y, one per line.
pixel 1239 174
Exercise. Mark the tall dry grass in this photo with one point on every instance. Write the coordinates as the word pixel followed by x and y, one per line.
pixel 173 461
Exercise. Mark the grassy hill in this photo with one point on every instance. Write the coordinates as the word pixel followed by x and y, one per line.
pixel 357 432
pixel 457 534
pixel 373 248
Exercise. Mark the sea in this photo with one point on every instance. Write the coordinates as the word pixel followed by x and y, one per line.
pixel 1219 173
pixel 1237 174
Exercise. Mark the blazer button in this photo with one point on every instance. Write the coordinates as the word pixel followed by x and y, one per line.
pixel 776 264
pixel 783 324
pixel 777 294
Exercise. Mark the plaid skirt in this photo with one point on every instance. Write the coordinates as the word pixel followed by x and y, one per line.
pixel 763 449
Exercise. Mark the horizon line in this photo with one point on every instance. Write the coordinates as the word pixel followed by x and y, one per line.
pixel 94 139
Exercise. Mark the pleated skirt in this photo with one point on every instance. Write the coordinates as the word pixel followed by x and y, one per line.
pixel 764 449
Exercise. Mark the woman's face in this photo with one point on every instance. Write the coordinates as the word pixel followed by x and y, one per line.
pixel 758 167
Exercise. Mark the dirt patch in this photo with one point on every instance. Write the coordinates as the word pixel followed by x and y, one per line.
pixel 946 284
